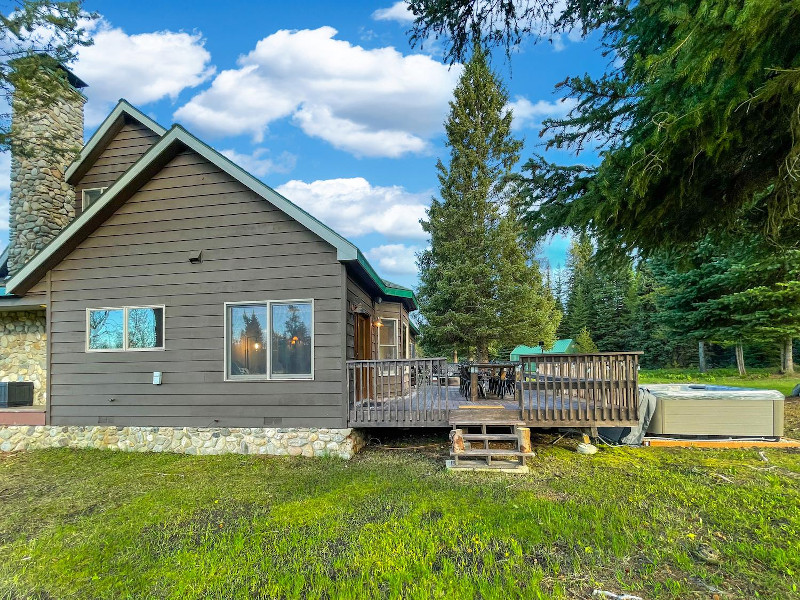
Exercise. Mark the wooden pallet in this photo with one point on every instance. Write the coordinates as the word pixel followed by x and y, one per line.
pixel 480 455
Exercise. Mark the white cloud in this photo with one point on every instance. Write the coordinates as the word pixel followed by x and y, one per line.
pixel 259 163
pixel 396 259
pixel 141 68
pixel 354 207
pixel 368 102
pixel 354 137
pixel 530 114
pixel 396 12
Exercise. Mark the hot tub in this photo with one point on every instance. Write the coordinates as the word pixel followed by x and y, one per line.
pixel 715 410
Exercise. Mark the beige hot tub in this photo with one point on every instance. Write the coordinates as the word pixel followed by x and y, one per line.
pixel 715 410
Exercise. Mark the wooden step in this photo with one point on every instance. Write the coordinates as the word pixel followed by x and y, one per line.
pixel 485 416
pixel 490 452
pixel 491 437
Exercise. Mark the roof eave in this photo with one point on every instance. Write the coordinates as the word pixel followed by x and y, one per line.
pixel 101 136
pixel 49 255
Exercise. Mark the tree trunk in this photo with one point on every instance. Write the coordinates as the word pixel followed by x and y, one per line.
pixel 701 354
pixel 455 355
pixel 482 351
pixel 740 360
pixel 787 365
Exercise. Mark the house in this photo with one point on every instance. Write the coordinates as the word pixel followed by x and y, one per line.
pixel 566 346
pixel 159 296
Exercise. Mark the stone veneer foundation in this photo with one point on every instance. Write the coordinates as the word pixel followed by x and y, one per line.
pixel 23 350
pixel 186 440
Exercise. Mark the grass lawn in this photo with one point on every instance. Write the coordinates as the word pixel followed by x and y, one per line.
pixel 755 378
pixel 661 523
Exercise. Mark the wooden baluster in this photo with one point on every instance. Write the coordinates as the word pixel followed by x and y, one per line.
pixel 564 385
pixel 596 385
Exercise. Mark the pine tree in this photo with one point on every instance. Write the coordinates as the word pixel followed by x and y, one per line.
pixel 478 282
pixel 584 342
pixel 38 36
pixel 580 286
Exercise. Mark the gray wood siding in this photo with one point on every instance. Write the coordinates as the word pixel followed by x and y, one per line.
pixel 140 256
pixel 132 140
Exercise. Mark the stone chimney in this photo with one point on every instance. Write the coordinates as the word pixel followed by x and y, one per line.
pixel 48 134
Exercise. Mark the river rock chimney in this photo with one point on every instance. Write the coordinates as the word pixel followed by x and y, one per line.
pixel 47 134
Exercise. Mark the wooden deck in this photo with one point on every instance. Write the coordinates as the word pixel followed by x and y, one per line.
pixel 569 390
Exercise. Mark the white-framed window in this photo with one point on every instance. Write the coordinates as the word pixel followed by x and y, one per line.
pixel 90 195
pixel 125 329
pixel 270 339
pixel 387 339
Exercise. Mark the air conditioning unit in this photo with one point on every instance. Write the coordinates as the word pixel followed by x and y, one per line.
pixel 16 393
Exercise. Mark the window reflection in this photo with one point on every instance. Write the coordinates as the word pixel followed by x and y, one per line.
pixel 291 339
pixel 248 352
pixel 145 328
pixel 105 329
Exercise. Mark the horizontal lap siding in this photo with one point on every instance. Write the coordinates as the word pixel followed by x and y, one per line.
pixel 251 252
pixel 127 146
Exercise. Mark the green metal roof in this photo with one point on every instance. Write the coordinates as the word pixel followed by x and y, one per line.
pixel 560 347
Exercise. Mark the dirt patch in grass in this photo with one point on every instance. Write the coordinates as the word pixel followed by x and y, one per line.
pixel 791 418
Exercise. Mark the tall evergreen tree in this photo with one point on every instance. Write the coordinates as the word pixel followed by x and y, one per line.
pixel 479 284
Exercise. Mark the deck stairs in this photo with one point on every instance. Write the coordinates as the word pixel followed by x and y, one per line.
pixel 491 441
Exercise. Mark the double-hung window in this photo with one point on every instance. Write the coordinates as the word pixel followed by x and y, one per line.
pixel 387 337
pixel 125 329
pixel 269 340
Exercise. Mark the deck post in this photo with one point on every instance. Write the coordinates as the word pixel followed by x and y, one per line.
pixel 473 383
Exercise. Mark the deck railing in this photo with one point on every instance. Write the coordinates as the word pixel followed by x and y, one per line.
pixel 581 389
pixel 396 392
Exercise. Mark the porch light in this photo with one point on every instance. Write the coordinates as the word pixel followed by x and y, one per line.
pixel 378 322
pixel 256 345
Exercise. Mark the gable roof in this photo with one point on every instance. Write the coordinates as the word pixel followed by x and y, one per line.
pixel 171 143
pixel 104 134
pixel 559 347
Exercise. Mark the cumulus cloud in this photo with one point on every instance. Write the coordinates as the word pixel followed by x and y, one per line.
pixel 141 68
pixel 395 259
pixel 354 207
pixel 529 114
pixel 375 102
pixel 260 163
pixel 396 12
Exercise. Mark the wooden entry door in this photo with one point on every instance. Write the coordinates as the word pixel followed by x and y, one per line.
pixel 363 338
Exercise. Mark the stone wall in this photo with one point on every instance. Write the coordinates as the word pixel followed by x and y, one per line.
pixel 186 440
pixel 48 136
pixel 23 350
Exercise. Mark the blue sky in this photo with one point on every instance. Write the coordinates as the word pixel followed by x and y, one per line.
pixel 326 102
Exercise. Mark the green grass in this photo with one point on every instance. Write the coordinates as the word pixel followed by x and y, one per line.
pixel 756 378
pixel 395 524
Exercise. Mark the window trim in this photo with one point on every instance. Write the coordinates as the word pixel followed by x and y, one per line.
pixel 125 347
pixel 268 376
pixel 84 206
